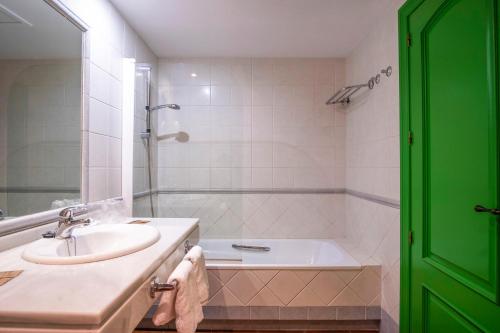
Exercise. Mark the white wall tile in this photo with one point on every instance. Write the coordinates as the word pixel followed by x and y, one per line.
pixel 98 145
pixel 99 117
pixel 262 178
pixel 114 153
pixel 100 88
pixel 199 178
pixel 220 178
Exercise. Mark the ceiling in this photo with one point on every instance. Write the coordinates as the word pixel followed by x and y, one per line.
pixel 34 30
pixel 252 28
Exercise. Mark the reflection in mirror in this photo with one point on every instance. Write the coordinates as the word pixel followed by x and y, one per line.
pixel 40 103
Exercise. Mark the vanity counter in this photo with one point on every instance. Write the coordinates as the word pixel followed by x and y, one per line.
pixel 84 295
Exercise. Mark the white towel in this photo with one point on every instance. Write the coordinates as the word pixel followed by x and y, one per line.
pixel 195 256
pixel 182 303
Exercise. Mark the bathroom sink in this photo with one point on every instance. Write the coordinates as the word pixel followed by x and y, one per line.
pixel 92 243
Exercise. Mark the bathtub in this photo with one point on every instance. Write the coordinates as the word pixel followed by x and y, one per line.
pixel 301 274
pixel 283 254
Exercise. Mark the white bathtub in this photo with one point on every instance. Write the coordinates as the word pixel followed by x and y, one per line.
pixel 284 254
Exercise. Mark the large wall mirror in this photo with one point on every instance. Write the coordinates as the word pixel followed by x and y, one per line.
pixel 40 108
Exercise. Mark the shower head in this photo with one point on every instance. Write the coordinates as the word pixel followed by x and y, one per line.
pixel 147 133
pixel 163 106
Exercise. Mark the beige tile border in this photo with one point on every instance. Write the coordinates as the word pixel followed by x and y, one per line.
pixel 295 288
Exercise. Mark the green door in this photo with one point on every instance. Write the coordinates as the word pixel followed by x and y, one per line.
pixel 450 164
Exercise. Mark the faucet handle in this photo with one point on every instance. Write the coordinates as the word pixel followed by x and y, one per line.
pixel 66 213
pixel 49 234
pixel 69 212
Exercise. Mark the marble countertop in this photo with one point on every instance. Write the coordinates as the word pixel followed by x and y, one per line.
pixel 83 294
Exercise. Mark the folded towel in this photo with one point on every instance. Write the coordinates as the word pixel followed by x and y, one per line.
pixel 182 303
pixel 195 256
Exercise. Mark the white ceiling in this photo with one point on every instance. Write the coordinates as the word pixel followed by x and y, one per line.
pixel 256 28
pixel 48 35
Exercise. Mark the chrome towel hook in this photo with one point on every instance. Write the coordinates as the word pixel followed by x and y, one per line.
pixel 387 71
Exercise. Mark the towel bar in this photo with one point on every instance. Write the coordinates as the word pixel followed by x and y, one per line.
pixel 156 286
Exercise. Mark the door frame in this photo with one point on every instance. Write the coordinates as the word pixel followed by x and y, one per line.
pixel 404 117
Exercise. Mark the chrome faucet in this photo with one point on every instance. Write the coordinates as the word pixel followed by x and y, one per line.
pixel 1 214
pixel 67 221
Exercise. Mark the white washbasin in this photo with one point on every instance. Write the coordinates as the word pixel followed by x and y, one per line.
pixel 92 243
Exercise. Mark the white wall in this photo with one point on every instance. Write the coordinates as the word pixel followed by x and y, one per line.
pixel 372 159
pixel 110 39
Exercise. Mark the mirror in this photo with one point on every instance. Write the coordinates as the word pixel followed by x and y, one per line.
pixel 40 108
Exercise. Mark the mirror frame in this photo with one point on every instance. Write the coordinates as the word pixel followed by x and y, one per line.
pixel 34 220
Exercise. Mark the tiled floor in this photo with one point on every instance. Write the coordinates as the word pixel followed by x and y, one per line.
pixel 271 326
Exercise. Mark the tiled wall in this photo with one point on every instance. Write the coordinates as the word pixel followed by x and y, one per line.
pixel 258 215
pixel 372 159
pixel 110 39
pixel 252 123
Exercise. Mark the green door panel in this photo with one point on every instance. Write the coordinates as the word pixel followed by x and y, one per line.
pixel 449 103
pixel 441 317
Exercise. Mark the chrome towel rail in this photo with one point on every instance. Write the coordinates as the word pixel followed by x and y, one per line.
pixel 156 286
pixel 343 96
